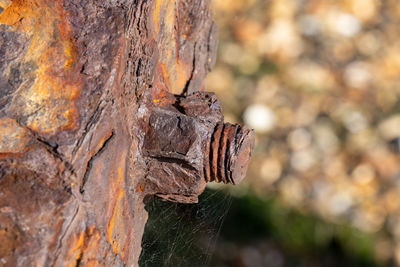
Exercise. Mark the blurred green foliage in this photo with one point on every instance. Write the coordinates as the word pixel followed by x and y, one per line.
pixel 299 235
pixel 215 231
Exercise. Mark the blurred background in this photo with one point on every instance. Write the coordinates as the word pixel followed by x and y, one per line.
pixel 319 82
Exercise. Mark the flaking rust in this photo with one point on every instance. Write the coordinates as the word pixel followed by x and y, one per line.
pixel 90 124
pixel 187 144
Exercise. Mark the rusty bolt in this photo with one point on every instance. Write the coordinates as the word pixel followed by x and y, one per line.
pixel 187 144
pixel 231 148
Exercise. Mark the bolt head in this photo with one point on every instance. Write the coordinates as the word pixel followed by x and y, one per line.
pixel 239 154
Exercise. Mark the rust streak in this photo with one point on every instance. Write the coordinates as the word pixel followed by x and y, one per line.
pixel 49 104
pixel 115 229
pixel 100 148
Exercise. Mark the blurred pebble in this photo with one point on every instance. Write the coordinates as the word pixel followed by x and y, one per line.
pixel 342 50
pixel 251 257
pixel 304 115
pixel 303 160
pixel 325 138
pixel 395 145
pixel 369 43
pixel 259 117
pixel 281 40
pixel 299 139
pixel 229 53
pixel 347 24
pixel 273 258
pixel 383 250
pixel 310 25
pixel 267 87
pixel 271 170
pixel 322 79
pixel 220 80
pixel 310 76
pixel 360 220
pixel 390 127
pixel 355 121
pixel 292 191
pixel 366 10
pixel 249 63
pixel 340 202
pixel 363 174
pixel 357 75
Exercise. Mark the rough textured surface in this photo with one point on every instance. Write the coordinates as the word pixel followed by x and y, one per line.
pixel 77 79
pixel 81 84
pixel 187 144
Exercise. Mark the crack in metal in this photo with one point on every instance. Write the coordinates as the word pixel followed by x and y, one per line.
pixel 90 163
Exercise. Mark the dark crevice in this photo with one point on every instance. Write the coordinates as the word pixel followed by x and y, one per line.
pixel 218 175
pixel 178 106
pixel 184 164
pixel 179 124
pixel 90 163
pixel 211 155
pixel 79 259
pixel 211 177
pixel 50 147
pixel 227 168
pixel 83 69
pixel 93 119
pixel 138 67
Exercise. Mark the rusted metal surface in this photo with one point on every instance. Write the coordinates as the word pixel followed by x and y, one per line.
pixel 101 105
pixel 187 144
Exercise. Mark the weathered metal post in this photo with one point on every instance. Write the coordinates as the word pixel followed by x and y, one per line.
pixel 101 104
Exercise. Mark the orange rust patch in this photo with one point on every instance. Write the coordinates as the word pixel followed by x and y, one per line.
pixel 100 144
pixel 140 188
pixel 49 103
pixel 160 7
pixel 13 138
pixel 85 247
pixel 183 72
pixel 92 263
pixel 112 227
pixel 175 72
pixel 92 248
pixel 161 98
pixel 116 231
pixel 77 249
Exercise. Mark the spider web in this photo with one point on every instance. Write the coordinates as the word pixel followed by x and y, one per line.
pixel 183 234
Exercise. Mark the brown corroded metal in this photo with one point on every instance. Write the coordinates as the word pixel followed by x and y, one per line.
pixel 232 146
pixel 102 105
pixel 234 151
pixel 216 137
pixel 187 144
